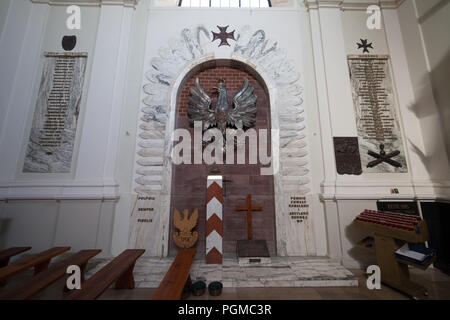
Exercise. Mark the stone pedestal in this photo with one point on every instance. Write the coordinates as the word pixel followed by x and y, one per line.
pixel 252 252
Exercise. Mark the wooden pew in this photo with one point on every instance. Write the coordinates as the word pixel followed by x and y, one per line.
pixel 119 270
pixel 171 287
pixel 39 261
pixel 30 287
pixel 6 255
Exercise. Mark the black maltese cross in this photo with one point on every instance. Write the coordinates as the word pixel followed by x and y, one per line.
pixel 364 45
pixel 223 36
pixel 383 157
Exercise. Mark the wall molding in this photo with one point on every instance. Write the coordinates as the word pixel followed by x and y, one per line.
pixel 346 5
pixel 59 190
pixel 403 197
pixel 96 3
pixel 376 190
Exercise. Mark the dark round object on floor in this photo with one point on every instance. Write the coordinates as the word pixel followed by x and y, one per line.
pixel 215 288
pixel 186 293
pixel 198 288
pixel 69 42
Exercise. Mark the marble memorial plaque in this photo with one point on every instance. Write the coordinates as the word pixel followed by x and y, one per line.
pixel 298 209
pixel 144 222
pixel 52 136
pixel 299 225
pixel 379 133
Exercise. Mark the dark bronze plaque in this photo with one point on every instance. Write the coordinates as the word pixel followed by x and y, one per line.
pixel 69 42
pixel 409 207
pixel 348 159
pixel 252 249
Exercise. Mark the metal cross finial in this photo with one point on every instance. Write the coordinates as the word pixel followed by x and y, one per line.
pixel 223 36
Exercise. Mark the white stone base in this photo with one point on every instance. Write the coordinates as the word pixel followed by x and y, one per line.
pixel 280 272
pixel 254 261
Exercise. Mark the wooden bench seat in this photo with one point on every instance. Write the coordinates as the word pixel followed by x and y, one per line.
pixel 39 261
pixel 119 270
pixel 7 254
pixel 30 287
pixel 171 287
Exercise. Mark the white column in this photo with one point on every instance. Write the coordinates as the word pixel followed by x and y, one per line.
pixel 333 230
pixel 20 45
pixel 97 156
pixel 405 94
pixel 4 9
pixel 336 110
pixel 336 107
pixel 343 121
pixel 328 185
pixel 427 153
pixel 11 42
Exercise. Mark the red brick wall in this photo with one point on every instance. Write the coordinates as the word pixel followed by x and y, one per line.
pixel 208 80
pixel 189 181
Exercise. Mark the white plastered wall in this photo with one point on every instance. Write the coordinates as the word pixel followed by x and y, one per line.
pixel 297 22
pixel 346 196
pixel 326 36
pixel 75 209
pixel 424 29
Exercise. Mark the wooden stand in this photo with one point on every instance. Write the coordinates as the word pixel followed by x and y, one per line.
pixel 178 276
pixel 385 241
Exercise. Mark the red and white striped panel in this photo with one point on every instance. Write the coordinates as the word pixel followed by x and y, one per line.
pixel 214 202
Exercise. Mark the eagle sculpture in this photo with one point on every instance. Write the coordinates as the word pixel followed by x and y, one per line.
pixel 185 238
pixel 241 115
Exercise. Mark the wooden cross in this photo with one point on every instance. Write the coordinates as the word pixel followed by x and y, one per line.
pixel 249 210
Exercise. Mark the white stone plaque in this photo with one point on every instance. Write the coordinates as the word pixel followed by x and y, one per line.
pixel 299 225
pixel 379 132
pixel 144 223
pixel 52 136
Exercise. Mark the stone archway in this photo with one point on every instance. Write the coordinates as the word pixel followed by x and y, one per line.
pixel 290 156
pixel 188 188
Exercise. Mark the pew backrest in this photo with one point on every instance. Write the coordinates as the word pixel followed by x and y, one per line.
pixel 30 287
pixel 119 270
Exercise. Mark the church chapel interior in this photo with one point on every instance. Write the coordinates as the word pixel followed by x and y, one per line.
pixel 224 149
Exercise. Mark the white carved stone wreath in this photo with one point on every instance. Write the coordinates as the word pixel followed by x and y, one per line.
pixel 265 56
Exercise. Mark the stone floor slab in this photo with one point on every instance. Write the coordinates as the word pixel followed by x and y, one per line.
pixel 281 272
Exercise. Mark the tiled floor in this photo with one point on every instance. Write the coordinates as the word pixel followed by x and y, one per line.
pixel 438 285
pixel 281 272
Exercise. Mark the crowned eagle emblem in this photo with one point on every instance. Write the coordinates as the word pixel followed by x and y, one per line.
pixel 185 238
pixel 241 115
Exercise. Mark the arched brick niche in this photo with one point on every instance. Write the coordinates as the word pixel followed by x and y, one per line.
pixel 208 79
pixel 189 181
